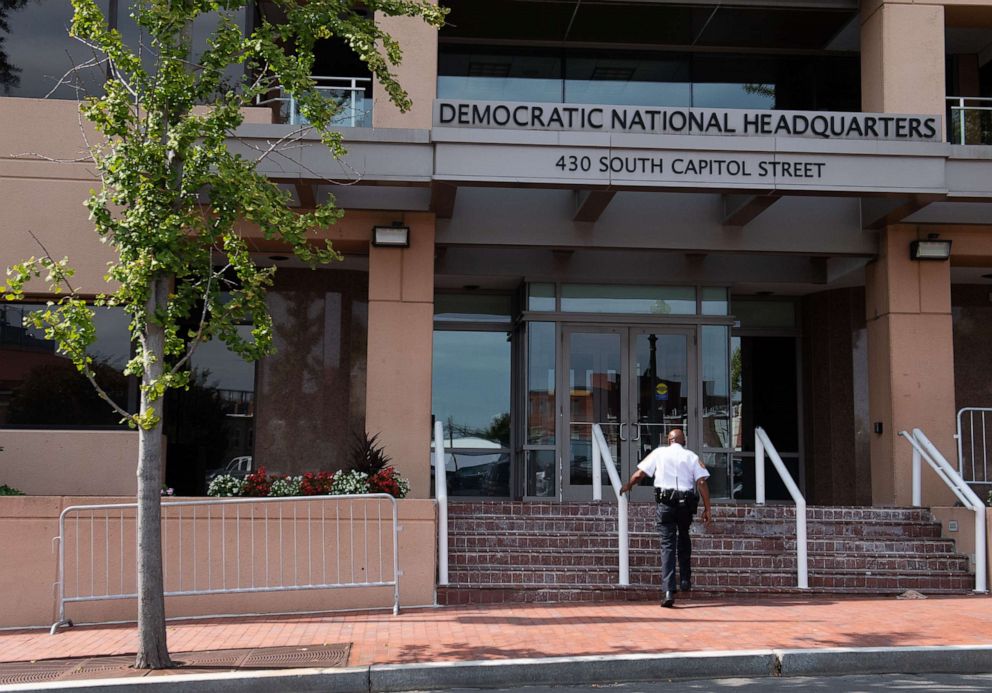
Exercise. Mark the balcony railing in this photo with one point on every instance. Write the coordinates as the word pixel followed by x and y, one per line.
pixel 350 94
pixel 969 120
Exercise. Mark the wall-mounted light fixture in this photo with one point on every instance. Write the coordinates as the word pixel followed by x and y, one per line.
pixel 930 249
pixel 395 236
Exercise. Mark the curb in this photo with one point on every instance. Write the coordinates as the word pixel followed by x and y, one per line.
pixel 590 670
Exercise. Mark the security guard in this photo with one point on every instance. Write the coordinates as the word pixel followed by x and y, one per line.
pixel 678 474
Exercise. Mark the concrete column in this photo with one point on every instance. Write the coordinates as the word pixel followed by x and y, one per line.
pixel 401 320
pixel 902 58
pixel 417 74
pixel 910 366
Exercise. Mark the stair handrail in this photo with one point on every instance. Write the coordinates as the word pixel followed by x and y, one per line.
pixel 923 449
pixel 441 496
pixel 763 445
pixel 601 454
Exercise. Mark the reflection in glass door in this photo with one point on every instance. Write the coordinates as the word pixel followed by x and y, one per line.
pixel 659 371
pixel 636 383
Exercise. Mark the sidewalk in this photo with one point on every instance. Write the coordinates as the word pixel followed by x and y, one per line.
pixel 505 632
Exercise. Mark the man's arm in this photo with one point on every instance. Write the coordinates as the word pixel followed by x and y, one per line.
pixel 634 480
pixel 704 491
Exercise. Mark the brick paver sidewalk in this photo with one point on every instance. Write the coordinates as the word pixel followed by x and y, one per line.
pixel 513 631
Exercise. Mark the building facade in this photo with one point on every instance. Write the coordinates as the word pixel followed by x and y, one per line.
pixel 637 214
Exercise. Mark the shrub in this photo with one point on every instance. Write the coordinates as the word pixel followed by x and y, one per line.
pixel 388 481
pixel 350 482
pixel 225 485
pixel 318 484
pixel 6 490
pixel 286 486
pixel 368 456
pixel 257 484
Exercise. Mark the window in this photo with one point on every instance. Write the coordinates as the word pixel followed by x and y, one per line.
pixel 40 387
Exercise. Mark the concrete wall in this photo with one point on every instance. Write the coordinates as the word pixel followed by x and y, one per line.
pixel 400 345
pixel 28 524
pixel 417 74
pixel 69 462
pixel 964 535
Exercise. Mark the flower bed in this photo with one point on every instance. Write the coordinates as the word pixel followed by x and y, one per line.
pixel 345 482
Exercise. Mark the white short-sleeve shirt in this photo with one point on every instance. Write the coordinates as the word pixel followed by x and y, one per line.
pixel 673 467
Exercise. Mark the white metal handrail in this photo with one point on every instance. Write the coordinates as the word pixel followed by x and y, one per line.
pixel 763 445
pixel 231 546
pixel 923 449
pixel 970 473
pixel 441 495
pixel 349 92
pixel 959 106
pixel 601 454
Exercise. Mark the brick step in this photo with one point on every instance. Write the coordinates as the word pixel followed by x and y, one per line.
pixel 650 540
pixel 464 594
pixel 703 575
pixel 561 526
pixel 494 509
pixel 551 561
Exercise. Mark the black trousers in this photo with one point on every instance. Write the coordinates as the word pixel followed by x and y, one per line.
pixel 673 524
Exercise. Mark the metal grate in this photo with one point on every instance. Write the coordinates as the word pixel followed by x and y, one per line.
pixel 119 666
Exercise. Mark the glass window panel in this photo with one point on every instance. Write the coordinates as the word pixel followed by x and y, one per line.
pixel 714 300
pixel 642 300
pixel 36 51
pixel 499 76
pixel 754 313
pixel 717 464
pixel 542 474
pixel 471 387
pixel 40 387
pixel 637 82
pixel 473 307
pixel 541 383
pixel 541 297
pixel 477 472
pixel 716 387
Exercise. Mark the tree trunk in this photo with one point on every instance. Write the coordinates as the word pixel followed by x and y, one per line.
pixel 153 652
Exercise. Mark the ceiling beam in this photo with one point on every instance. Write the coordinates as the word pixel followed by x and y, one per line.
pixel 740 210
pixel 590 204
pixel 443 199
pixel 897 212
pixel 307 194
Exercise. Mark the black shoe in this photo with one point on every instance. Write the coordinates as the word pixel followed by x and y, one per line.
pixel 685 586
pixel 669 601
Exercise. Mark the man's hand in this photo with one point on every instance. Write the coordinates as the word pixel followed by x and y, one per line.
pixel 707 516
pixel 634 479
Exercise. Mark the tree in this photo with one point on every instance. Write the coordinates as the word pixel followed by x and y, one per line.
pixel 172 198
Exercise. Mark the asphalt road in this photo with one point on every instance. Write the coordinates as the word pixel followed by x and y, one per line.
pixel 890 683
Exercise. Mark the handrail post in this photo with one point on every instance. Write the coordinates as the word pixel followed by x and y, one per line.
pixel 961 120
pixel 763 444
pixel 441 495
pixel 759 469
pixel 917 479
pixel 925 449
pixel 597 472
pixel 623 537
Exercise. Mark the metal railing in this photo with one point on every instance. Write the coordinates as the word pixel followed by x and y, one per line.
pixel 349 93
pixel 441 495
pixel 923 449
pixel 970 120
pixel 601 452
pixel 971 442
pixel 763 445
pixel 230 546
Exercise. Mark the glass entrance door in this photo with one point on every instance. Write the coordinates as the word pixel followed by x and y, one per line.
pixel 637 383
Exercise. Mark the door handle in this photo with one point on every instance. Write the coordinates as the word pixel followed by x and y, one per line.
pixel 621 432
pixel 637 428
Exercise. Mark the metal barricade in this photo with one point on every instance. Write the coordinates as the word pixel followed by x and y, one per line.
pixel 232 545
pixel 973 436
